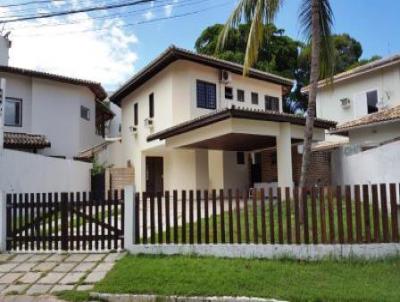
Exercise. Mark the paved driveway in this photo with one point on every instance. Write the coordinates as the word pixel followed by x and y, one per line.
pixel 38 274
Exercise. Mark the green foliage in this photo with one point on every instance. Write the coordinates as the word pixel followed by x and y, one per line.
pixel 290 280
pixel 277 55
pixel 98 168
pixel 74 296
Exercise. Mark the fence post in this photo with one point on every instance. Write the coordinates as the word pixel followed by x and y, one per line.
pixel 130 217
pixel 64 221
pixel 3 222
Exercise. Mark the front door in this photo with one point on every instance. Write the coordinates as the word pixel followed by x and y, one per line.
pixel 154 175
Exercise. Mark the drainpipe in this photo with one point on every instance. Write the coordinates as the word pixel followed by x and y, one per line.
pixel 2 106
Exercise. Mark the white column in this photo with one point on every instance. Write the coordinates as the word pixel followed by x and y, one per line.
pixel 3 222
pixel 284 156
pixel 129 217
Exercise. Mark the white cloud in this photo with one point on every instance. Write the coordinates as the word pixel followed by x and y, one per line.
pixel 148 15
pixel 168 10
pixel 76 50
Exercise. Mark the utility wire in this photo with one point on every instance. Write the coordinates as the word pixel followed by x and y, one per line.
pixel 69 12
pixel 112 16
pixel 134 24
pixel 30 3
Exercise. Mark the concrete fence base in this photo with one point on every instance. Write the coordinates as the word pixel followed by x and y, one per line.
pixel 274 251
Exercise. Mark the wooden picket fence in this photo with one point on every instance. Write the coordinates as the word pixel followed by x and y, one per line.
pixel 324 215
pixel 64 221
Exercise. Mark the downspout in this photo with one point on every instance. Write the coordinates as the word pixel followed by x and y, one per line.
pixel 2 102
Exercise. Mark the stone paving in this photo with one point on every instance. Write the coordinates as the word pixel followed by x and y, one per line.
pixel 40 274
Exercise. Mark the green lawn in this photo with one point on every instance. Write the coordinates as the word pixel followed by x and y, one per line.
pixel 327 280
pixel 251 223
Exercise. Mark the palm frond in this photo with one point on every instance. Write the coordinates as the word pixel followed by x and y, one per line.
pixel 257 13
pixel 327 57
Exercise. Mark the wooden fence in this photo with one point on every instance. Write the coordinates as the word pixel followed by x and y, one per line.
pixel 66 221
pixel 326 215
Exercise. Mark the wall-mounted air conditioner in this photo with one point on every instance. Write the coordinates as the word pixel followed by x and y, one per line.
pixel 345 103
pixel 225 77
pixel 148 122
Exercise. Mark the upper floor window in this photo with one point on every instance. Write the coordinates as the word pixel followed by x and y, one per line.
pixel 372 101
pixel 240 95
pixel 206 95
pixel 254 98
pixel 135 114
pixel 228 93
pixel 151 105
pixel 271 103
pixel 85 113
pixel 13 112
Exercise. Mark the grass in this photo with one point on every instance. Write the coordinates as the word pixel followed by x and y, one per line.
pixel 74 296
pixel 251 221
pixel 328 280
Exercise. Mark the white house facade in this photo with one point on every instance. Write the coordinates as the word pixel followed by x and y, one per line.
pixel 191 121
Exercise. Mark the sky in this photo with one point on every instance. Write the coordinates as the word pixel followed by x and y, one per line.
pixel 111 46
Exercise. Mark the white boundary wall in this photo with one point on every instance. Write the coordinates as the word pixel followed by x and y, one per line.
pixel 273 251
pixel 374 166
pixel 22 172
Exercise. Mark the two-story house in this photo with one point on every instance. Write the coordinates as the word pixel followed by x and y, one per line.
pixel 365 101
pixel 192 121
pixel 51 114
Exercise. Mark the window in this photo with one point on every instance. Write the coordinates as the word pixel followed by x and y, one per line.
pixel 151 105
pixel 254 98
pixel 240 158
pixel 240 95
pixel 228 93
pixel 271 103
pixel 206 95
pixel 13 112
pixel 85 113
pixel 135 114
pixel 372 101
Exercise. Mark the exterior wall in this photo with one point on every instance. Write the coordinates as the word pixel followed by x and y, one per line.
pixel 320 171
pixel 114 126
pixel 374 166
pixel 386 81
pixel 174 91
pixel 52 109
pixel 235 176
pixel 375 135
pixel 32 173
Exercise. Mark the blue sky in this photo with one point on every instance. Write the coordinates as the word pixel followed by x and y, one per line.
pixel 118 50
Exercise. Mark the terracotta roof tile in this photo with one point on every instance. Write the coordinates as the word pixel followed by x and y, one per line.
pixel 25 141
pixel 385 115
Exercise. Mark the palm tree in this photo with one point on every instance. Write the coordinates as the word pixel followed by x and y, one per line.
pixel 316 18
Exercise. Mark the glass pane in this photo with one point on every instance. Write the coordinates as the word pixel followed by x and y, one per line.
pixel 12 113
pixel 372 101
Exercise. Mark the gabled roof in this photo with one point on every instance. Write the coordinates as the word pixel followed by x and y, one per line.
pixel 95 87
pixel 239 113
pixel 173 54
pixel 358 71
pixel 373 119
pixel 13 140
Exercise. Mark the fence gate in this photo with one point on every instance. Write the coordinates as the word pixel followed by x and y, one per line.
pixel 64 221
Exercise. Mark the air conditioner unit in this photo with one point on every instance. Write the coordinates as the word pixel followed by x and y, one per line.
pixel 225 77
pixel 345 103
pixel 148 122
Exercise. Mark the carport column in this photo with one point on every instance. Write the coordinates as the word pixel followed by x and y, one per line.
pixel 129 217
pixel 284 156
pixel 3 222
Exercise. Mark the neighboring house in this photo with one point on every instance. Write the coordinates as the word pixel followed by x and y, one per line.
pixel 365 101
pixel 48 120
pixel 51 114
pixel 192 121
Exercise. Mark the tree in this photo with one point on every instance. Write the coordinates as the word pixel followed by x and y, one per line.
pixel 316 21
pixel 277 55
